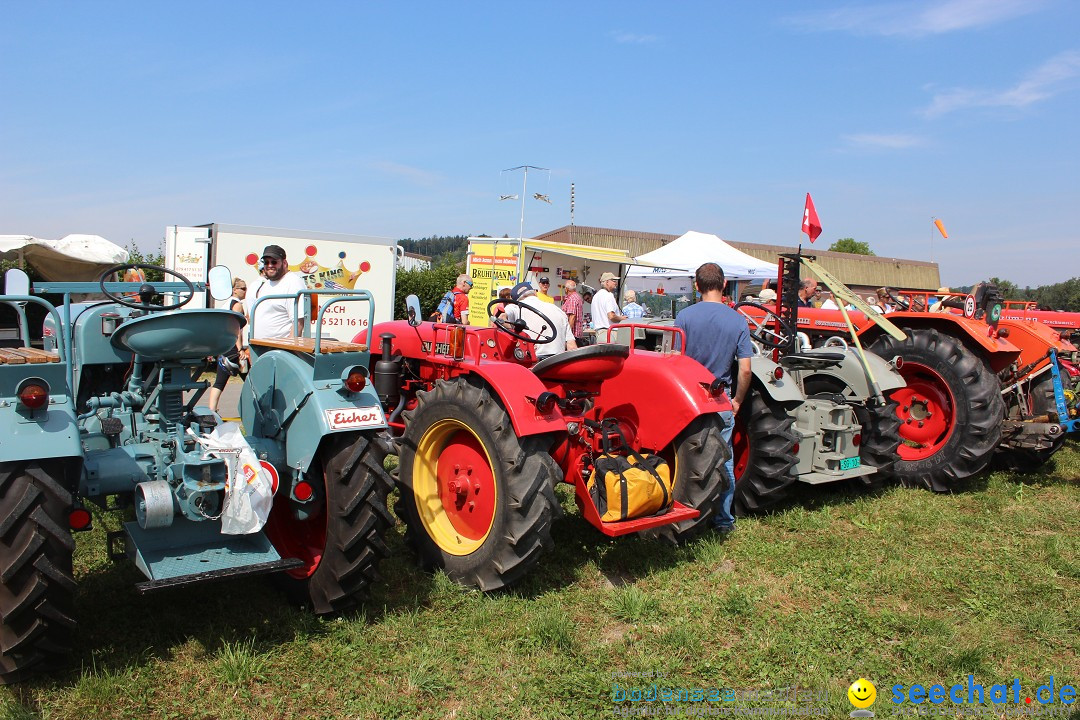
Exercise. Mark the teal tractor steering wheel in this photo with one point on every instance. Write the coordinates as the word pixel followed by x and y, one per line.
pixel 147 291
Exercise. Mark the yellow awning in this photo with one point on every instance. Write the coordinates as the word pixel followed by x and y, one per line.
pixel 585 252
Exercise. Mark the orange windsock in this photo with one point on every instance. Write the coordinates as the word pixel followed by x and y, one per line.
pixel 941 228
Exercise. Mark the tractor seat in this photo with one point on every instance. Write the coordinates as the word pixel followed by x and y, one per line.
pixel 811 361
pixel 587 364
pixel 180 334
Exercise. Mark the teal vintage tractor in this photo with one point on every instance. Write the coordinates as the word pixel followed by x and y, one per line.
pixel 106 413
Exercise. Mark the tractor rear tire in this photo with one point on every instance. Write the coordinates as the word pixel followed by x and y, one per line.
pixel 699 453
pixel 342 545
pixel 1041 401
pixel 476 499
pixel 764 444
pixel 38 586
pixel 880 442
pixel 944 376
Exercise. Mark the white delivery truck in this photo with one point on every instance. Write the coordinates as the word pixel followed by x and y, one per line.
pixel 323 260
pixel 492 263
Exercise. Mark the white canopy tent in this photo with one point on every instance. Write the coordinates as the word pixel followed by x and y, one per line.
pixel 676 262
pixel 71 258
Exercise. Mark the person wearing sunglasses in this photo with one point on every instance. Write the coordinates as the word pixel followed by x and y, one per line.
pixel 274 318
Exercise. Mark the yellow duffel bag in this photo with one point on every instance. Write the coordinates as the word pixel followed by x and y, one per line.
pixel 624 487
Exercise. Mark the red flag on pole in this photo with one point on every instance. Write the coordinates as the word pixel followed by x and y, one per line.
pixel 810 223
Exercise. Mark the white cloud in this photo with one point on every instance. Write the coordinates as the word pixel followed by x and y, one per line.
pixel 629 38
pixel 897 141
pixel 1040 84
pixel 916 18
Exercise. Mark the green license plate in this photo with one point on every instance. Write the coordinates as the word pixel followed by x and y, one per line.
pixel 850 463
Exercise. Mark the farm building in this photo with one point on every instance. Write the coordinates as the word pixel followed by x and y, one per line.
pixel 863 273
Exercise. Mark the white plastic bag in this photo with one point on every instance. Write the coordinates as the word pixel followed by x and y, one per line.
pixel 248 488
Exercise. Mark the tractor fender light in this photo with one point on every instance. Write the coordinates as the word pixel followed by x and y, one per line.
pixel 355 378
pixel 33 393
pixel 303 491
pixel 717 388
pixel 79 518
pixel 898 362
pixel 1003 332
pixel 795 449
pixel 856 440
pixel 778 372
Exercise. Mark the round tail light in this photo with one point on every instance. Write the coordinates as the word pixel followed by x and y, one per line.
pixel 33 396
pixel 778 373
pixel 356 379
pixel 795 449
pixel 857 440
pixel 79 518
pixel 303 491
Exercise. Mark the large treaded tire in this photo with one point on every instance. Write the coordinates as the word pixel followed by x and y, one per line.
pixel 458 414
pixel 976 408
pixel 38 585
pixel 699 453
pixel 880 443
pixel 765 467
pixel 343 545
pixel 1041 401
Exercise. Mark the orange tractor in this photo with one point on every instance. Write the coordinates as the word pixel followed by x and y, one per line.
pixel 978 385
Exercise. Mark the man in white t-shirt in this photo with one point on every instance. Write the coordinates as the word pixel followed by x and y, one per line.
pixel 605 308
pixel 564 336
pixel 274 318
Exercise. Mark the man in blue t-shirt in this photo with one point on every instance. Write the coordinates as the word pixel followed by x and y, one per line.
pixel 716 336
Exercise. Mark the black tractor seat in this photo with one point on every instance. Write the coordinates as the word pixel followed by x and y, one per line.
pixel 592 363
pixel 811 361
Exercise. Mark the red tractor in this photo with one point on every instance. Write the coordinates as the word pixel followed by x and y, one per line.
pixel 485 431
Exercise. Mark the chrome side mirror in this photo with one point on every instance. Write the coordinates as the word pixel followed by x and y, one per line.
pixel 412 307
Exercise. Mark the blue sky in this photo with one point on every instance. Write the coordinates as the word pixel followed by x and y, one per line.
pixel 395 119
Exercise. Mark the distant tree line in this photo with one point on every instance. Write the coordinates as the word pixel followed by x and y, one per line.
pixel 1059 296
pixel 440 248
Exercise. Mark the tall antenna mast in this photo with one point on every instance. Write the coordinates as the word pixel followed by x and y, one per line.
pixel 524 187
pixel 571 212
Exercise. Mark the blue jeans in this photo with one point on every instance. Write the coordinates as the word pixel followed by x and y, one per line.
pixel 724 519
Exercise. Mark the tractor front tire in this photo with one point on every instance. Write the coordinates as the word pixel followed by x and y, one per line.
pixel 38 586
pixel 699 453
pixel 477 500
pixel 764 446
pixel 341 545
pixel 950 411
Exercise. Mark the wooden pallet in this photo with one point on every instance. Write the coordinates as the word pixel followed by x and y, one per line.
pixel 24 355
pixel 308 345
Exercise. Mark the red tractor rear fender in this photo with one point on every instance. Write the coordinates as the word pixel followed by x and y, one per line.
pixel 975 334
pixel 1034 339
pixel 659 395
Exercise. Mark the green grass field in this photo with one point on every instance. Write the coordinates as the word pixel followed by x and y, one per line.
pixel 901 587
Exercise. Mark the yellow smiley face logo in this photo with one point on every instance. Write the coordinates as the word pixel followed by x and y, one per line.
pixel 862 693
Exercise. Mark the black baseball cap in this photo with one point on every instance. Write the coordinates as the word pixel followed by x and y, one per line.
pixel 545 280
pixel 274 251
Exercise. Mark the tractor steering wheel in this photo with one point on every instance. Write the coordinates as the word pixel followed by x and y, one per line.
pixel 514 329
pixel 897 301
pixel 147 290
pixel 762 333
